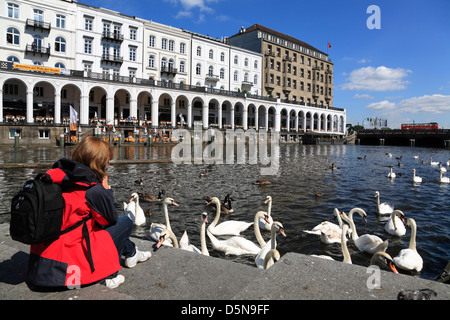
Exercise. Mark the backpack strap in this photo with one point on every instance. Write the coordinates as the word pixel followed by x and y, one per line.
pixel 85 235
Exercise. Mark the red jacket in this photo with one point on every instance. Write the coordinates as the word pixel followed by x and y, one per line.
pixel 65 262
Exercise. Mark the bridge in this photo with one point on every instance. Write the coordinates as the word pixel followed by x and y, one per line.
pixel 437 138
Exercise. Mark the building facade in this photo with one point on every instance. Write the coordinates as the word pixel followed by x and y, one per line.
pixel 116 70
pixel 292 69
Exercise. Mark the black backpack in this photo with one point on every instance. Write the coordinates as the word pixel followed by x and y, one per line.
pixel 37 211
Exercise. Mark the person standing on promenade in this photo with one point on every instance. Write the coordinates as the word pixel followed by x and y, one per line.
pixel 91 252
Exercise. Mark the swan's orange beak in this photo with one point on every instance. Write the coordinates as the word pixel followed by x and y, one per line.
pixel 132 198
pixel 267 200
pixel 174 203
pixel 392 267
pixel 160 242
pixel 266 218
pixel 282 232
pixel 208 203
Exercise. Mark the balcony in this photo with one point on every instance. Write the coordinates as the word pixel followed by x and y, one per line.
pixel 36 24
pixel 212 78
pixel 115 36
pixel 32 48
pixel 112 58
pixel 169 70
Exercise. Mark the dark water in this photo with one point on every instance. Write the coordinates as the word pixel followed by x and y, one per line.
pixel 303 171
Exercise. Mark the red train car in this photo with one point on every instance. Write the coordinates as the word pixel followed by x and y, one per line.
pixel 420 126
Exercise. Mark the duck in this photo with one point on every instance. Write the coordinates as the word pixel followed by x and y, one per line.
pixel 383 258
pixel 396 224
pixel 262 182
pixel 230 227
pixel 416 179
pixel 399 158
pixel 441 167
pixel 333 167
pixel 270 245
pixel 424 161
pixel 267 223
pixel 139 182
pixel 399 164
pixel 409 259
pixel 149 197
pixel 389 154
pixel 223 209
pixel 203 173
pixel 391 174
pixel 362 158
pixel 185 244
pixel 156 228
pixel 383 208
pixel 443 179
pixel 367 242
pixel 238 245
pixel 134 210
pixel 226 207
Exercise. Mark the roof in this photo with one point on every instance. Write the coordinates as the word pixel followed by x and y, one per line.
pixel 277 34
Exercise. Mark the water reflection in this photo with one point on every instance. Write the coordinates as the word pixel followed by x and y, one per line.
pixel 303 171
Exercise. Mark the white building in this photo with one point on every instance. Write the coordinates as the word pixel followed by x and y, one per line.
pixel 108 42
pixel 38 33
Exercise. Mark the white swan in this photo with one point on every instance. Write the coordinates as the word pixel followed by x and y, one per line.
pixel 416 179
pixel 263 224
pixel 134 210
pixel 329 232
pixel 367 242
pixel 156 228
pixel 433 163
pixel 383 208
pixel 238 245
pixel 231 227
pixel 165 236
pixel 416 157
pixel 409 259
pixel 344 248
pixel 441 167
pixel 385 259
pixel 186 245
pixel 391 174
pixel 443 179
pixel 395 225
pixel 271 245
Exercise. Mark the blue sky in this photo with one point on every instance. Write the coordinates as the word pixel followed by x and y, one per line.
pixel 399 72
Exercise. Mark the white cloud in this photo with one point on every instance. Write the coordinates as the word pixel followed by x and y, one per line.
pixel 364 61
pixel 191 5
pixel 427 104
pixel 363 96
pixel 377 79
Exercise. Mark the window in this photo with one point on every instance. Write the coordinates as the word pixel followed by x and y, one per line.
pixel 151 61
pixel 255 65
pixel 88 46
pixel 106 28
pixel 182 47
pixel 13 132
pixel 60 44
pixel 44 134
pixel 12 36
pixel 171 45
pixel 222 57
pixel 59 65
pixel 236 76
pixel 198 69
pixel 171 64
pixel 182 66
pixel 13 59
pixel 163 63
pixel 210 71
pixel 164 44
pixel 88 22
pixel 222 73
pixel 13 11
pixel 246 62
pixel 151 42
pixel 11 89
pixel 132 73
pixel 199 51
pixel 236 60
pixel 246 77
pixel 133 53
pixel 87 66
pixel 211 54
pixel 133 33
pixel 38 15
pixel 60 21
pixel 39 91
pixel 255 79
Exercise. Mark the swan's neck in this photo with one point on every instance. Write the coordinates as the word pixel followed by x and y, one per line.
pixel 378 202
pixel 267 258
pixel 217 217
pixel 269 208
pixel 273 240
pixel 166 215
pixel 338 216
pixel 352 226
pixel 412 240
pixel 173 238
pixel 258 235
pixel 203 239
pixel 345 252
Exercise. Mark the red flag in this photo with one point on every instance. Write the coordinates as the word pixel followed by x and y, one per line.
pixel 329 45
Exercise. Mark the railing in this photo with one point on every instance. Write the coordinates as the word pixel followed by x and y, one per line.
pixel 113 35
pixel 171 70
pixel 37 49
pixel 112 58
pixel 38 24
